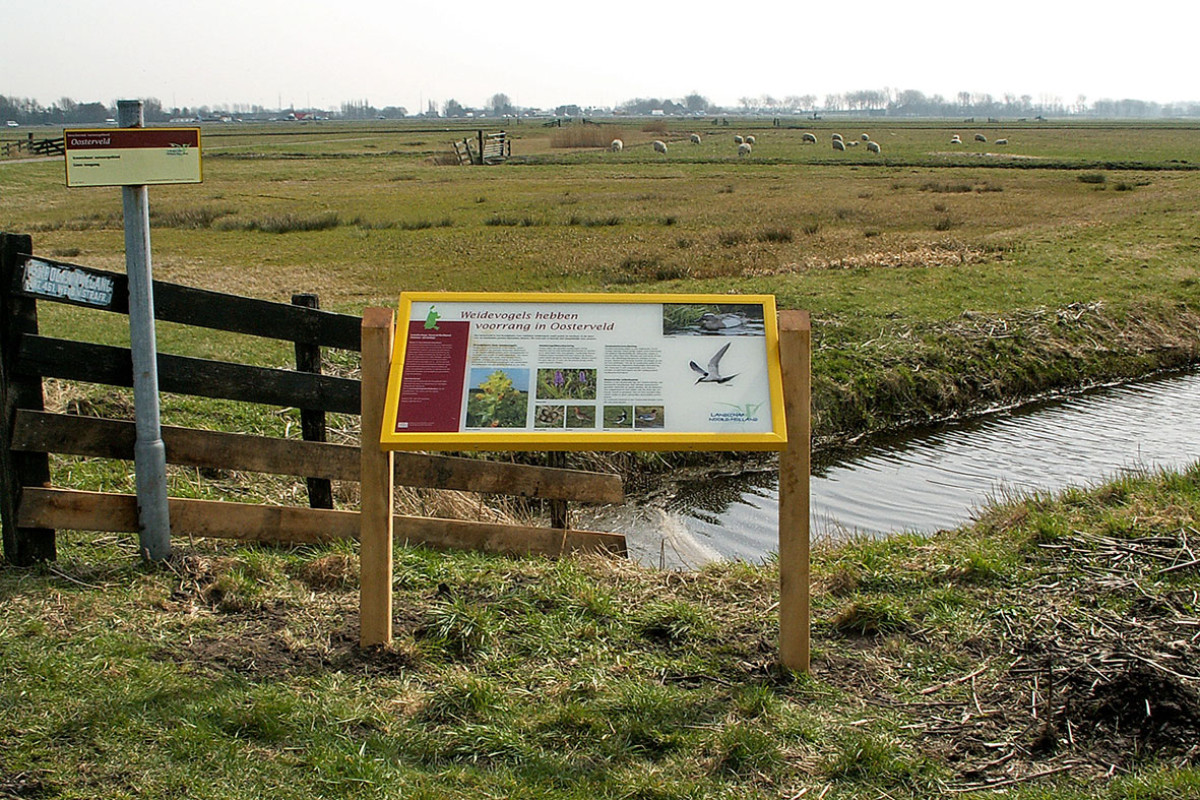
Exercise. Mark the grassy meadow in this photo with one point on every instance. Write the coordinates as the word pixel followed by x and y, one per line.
pixel 1048 650
pixel 940 277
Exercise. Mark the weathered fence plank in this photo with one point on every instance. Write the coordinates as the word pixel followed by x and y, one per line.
pixel 96 363
pixel 101 511
pixel 76 509
pixel 216 311
pixel 449 534
pixel 105 438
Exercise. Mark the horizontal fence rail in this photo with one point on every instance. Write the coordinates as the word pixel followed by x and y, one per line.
pixel 69 434
pixel 103 511
pixel 97 363
pixel 200 308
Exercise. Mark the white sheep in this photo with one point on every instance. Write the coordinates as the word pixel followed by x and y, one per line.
pixel 695 138
pixel 838 144
pixel 851 143
pixel 660 146
pixel 837 137
pixel 979 137
pixel 955 139
pixel 873 147
pixel 1002 141
pixel 808 138
pixel 616 146
pixel 737 139
pixel 866 138
pixel 750 140
pixel 744 149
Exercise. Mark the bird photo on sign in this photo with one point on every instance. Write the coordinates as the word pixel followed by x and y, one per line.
pixel 713 319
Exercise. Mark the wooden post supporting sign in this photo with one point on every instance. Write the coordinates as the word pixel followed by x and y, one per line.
pixel 795 353
pixel 377 483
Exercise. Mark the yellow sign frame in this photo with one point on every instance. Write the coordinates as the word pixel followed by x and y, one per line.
pixel 593 439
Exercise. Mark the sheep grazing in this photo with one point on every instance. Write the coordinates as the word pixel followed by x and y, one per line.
pixel 851 143
pixel 695 138
pixel 744 149
pixel 837 137
pixel 873 147
pixel 979 137
pixel 660 146
pixel 955 140
pixel 866 138
pixel 750 140
pixel 838 144
pixel 616 146
pixel 1002 141
pixel 808 138
pixel 738 139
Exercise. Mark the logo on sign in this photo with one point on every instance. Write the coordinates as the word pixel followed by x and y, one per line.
pixel 739 414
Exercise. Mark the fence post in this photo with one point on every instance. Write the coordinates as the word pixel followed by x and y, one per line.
pixel 558 508
pixel 377 483
pixel 795 355
pixel 18 316
pixel 312 422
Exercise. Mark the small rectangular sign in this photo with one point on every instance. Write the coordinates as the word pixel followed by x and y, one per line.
pixel 585 372
pixel 67 282
pixel 132 156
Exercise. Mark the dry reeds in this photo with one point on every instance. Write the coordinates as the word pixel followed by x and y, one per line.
pixel 584 136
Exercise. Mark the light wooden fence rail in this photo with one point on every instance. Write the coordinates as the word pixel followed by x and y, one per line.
pixel 33 508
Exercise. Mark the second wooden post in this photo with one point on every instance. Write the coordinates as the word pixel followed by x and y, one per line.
pixel 795 356
pixel 377 482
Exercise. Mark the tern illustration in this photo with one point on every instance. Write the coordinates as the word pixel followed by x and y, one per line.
pixel 713 373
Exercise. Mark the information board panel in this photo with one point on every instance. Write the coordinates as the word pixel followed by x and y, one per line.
pixel 132 156
pixel 585 372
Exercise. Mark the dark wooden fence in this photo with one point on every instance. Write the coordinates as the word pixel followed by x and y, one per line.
pixel 39 147
pixel 33 507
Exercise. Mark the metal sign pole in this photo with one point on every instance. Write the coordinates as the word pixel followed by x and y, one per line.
pixel 150 454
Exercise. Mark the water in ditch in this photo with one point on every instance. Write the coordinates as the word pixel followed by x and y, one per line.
pixel 925 480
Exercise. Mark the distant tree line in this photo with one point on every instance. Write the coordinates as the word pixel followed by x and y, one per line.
pixel 66 111
pixel 882 102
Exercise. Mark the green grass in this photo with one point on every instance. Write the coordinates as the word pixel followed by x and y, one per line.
pixel 234 672
pixel 887 256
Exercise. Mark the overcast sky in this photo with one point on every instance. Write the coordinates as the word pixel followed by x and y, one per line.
pixel 543 53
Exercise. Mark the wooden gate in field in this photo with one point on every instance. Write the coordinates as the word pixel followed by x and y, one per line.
pixel 491 148
pixel 33 507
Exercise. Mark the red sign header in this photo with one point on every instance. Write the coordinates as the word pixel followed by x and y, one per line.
pixel 130 138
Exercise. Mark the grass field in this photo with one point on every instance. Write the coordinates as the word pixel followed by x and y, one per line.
pixel 1048 651
pixel 888 252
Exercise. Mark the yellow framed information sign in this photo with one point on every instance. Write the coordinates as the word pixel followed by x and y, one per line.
pixel 502 371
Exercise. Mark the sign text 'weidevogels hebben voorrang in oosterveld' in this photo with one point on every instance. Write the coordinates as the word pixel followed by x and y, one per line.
pixel 565 371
